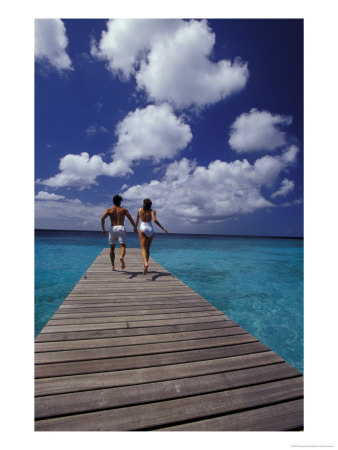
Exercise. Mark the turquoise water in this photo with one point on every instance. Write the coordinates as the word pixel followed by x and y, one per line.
pixel 258 282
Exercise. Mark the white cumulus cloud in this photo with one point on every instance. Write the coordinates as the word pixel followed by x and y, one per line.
pixel 51 42
pixel 42 195
pixel 82 171
pixel 289 154
pixel 153 133
pixel 213 193
pixel 170 60
pixel 257 131
pixel 286 187
pixel 126 41
pixel 67 213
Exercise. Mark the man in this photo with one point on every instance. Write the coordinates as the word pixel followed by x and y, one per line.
pixel 117 230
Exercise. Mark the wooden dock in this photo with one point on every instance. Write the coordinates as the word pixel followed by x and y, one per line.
pixel 131 352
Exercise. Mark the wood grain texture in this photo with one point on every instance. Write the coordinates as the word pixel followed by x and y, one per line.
pixel 131 352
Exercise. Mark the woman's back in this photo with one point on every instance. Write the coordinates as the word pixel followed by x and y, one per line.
pixel 145 215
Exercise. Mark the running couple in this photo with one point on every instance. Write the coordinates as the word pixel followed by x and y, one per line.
pixel 117 231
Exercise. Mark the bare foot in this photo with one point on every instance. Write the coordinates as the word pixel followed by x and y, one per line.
pixel 112 268
pixel 122 263
pixel 145 269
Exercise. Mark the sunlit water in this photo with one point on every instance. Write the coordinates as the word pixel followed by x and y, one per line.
pixel 258 282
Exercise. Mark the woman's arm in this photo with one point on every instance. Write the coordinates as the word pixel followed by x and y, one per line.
pixel 153 215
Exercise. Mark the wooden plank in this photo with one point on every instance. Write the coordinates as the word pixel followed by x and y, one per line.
pixel 174 411
pixel 140 292
pixel 57 385
pixel 107 326
pixel 146 349
pixel 132 324
pixel 150 308
pixel 83 313
pixel 47 337
pixel 132 304
pixel 134 362
pixel 136 393
pixel 281 417
pixel 102 315
pixel 126 318
pixel 136 340
pixel 136 292
pixel 136 287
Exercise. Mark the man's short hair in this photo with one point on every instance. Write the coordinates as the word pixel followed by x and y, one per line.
pixel 117 199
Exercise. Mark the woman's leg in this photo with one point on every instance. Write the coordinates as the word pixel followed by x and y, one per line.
pixel 143 245
pixel 148 244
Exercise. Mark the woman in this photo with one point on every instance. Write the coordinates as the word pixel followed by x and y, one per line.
pixel 146 232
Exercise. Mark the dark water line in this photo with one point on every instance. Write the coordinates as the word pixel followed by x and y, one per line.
pixel 197 235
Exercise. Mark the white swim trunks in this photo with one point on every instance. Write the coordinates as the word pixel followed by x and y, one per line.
pixel 117 232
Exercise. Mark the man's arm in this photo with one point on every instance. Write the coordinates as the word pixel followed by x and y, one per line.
pixel 131 220
pixel 137 218
pixel 103 218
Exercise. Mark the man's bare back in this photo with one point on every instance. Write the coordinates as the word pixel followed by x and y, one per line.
pixel 117 215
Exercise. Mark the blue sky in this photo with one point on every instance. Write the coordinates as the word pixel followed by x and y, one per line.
pixel 205 117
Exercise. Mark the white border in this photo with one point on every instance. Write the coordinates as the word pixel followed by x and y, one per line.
pixel 17 82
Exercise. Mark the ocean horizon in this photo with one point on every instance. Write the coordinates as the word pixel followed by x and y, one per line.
pixel 188 234
pixel 255 280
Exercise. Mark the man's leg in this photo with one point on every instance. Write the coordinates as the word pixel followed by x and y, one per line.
pixel 112 256
pixel 122 254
